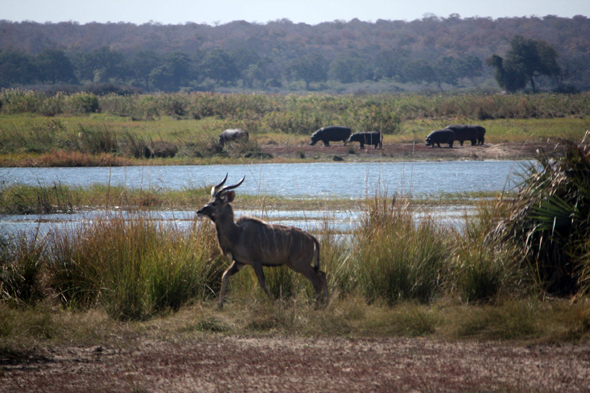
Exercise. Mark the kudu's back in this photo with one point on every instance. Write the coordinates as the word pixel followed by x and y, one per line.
pixel 275 245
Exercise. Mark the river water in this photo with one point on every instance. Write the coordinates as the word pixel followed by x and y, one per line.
pixel 348 180
pixel 343 180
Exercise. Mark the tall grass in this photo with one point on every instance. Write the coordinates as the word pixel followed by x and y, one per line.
pixel 21 199
pixel 21 262
pixel 133 268
pixel 293 113
pixel 51 135
pixel 483 269
pixel 397 258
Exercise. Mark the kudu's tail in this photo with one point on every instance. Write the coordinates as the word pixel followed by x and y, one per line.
pixel 316 255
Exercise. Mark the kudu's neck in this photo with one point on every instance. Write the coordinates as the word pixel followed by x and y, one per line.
pixel 227 230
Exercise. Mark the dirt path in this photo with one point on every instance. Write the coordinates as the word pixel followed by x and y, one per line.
pixel 410 151
pixel 215 363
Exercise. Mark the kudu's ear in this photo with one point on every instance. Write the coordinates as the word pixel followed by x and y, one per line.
pixel 230 196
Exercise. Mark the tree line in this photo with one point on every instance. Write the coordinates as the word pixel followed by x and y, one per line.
pixel 442 53
pixel 205 70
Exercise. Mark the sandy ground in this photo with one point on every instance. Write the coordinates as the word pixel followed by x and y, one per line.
pixel 216 363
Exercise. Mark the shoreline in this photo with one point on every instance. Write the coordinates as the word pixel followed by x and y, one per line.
pixel 302 153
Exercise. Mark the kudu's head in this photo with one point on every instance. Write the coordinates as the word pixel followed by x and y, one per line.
pixel 220 199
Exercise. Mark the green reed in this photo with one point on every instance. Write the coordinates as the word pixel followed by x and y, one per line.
pixel 132 267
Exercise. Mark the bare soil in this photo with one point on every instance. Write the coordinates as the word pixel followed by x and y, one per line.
pixel 410 151
pixel 217 363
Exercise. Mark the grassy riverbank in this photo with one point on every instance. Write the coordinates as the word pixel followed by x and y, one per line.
pixel 59 198
pixel 84 130
pixel 394 277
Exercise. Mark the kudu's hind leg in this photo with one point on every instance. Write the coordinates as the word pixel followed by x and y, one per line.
pixel 324 281
pixel 233 269
pixel 323 286
pixel 317 279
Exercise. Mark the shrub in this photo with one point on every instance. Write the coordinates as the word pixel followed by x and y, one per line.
pixel 82 103
pixel 53 105
pixel 21 101
pixel 374 118
pixel 96 140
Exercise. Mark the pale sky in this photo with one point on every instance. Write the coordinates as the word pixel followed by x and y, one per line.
pixel 261 11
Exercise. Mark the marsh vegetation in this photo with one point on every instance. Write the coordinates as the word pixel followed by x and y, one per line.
pixel 87 130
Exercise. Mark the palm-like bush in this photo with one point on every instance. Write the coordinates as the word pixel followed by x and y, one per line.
pixel 550 222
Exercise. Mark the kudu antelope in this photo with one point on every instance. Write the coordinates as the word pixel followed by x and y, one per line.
pixel 249 241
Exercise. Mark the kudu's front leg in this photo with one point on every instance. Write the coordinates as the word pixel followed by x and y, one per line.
pixel 261 280
pixel 233 269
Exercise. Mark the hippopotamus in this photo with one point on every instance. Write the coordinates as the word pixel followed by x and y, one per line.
pixel 330 133
pixel 481 133
pixel 475 134
pixel 440 136
pixel 233 135
pixel 370 138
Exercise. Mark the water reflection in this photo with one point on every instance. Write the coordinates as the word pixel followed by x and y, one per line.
pixel 308 220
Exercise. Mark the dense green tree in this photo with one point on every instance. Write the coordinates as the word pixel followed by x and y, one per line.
pixel 349 67
pixel 575 70
pixel 255 70
pixel 418 71
pixel 525 60
pixel 445 71
pixel 311 68
pixel 389 63
pixel 176 72
pixel 142 64
pixel 385 49
pixel 449 70
pixel 102 65
pixel 54 66
pixel 507 78
pixel 244 57
pixel 16 68
pixel 469 67
pixel 249 65
pixel 266 72
pixel 219 66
